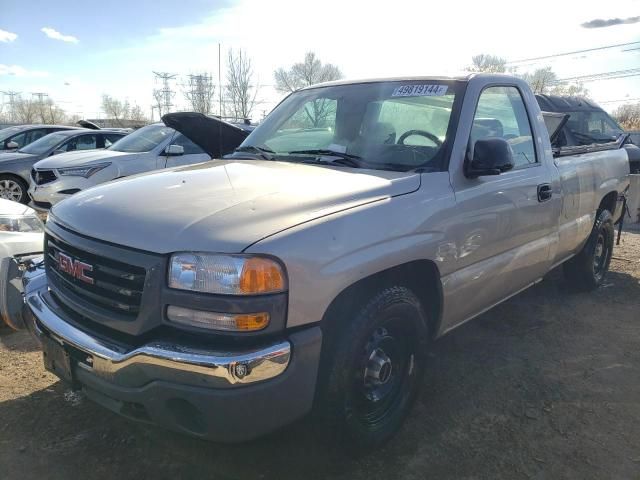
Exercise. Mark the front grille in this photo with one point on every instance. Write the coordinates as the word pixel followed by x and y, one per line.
pixel 117 287
pixel 42 176
pixel 45 205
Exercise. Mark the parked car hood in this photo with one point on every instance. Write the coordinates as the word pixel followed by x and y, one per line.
pixel 214 136
pixel 78 158
pixel 15 156
pixel 221 206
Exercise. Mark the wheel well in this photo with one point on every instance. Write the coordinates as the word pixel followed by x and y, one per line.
pixel 17 177
pixel 422 277
pixel 609 202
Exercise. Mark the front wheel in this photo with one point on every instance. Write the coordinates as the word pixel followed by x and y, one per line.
pixel 372 369
pixel 587 270
pixel 13 188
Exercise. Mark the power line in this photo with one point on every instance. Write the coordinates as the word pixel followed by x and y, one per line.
pixel 605 47
pixel 637 99
pixel 631 72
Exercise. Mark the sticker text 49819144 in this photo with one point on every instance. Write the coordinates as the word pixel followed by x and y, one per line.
pixel 419 90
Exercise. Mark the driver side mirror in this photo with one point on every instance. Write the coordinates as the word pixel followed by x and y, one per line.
pixel 59 151
pixel 12 145
pixel 174 150
pixel 488 156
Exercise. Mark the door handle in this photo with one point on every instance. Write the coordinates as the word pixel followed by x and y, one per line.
pixel 544 192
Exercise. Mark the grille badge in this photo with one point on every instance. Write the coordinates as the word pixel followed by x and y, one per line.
pixel 74 267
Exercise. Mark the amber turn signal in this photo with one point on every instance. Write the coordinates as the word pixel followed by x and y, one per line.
pixel 261 275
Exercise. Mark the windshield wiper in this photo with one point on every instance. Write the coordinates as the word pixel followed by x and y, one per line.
pixel 342 158
pixel 265 153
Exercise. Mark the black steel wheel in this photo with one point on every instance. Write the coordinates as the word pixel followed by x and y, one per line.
pixel 588 269
pixel 372 368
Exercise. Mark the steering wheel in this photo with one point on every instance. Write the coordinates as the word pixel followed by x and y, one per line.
pixel 422 133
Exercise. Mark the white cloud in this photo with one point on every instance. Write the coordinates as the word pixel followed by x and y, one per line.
pixel 56 35
pixel 18 71
pixel 7 37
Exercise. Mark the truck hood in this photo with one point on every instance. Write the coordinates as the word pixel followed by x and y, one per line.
pixel 78 158
pixel 222 206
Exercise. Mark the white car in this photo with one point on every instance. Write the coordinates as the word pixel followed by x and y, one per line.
pixel 150 148
pixel 21 231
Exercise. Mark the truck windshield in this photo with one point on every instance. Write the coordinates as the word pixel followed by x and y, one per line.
pixel 590 127
pixel 143 140
pixel 392 125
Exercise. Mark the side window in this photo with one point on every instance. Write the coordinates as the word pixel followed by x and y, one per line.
pixel 110 140
pixel 36 134
pixel 501 113
pixel 20 139
pixel 82 142
pixel 188 145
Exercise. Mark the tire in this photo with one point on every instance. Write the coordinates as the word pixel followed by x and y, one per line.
pixel 371 369
pixel 13 188
pixel 588 269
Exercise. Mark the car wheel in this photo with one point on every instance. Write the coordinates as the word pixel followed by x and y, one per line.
pixel 13 188
pixel 372 368
pixel 588 268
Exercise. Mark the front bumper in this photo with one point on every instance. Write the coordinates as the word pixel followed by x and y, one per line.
pixel 46 195
pixel 225 396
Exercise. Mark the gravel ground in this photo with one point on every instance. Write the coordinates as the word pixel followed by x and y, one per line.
pixel 546 385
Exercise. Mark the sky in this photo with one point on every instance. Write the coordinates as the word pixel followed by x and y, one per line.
pixel 77 51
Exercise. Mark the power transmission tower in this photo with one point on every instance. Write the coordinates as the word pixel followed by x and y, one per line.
pixel 12 103
pixel 39 95
pixel 199 92
pixel 164 96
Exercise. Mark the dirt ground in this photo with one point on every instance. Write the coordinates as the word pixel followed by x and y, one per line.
pixel 545 386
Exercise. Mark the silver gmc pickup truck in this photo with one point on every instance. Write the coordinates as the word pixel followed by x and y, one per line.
pixel 313 267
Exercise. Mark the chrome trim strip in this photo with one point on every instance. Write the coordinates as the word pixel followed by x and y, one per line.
pixel 159 360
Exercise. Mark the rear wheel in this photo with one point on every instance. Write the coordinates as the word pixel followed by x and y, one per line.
pixel 372 368
pixel 13 188
pixel 588 269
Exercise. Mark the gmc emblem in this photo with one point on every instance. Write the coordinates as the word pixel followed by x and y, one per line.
pixel 75 268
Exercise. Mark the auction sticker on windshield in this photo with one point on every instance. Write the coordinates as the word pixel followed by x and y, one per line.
pixel 420 90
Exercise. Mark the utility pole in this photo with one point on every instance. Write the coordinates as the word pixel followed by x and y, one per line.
pixel 164 95
pixel 12 103
pixel 220 78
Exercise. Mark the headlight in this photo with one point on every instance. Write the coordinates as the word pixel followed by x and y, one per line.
pixel 83 171
pixel 20 223
pixel 226 274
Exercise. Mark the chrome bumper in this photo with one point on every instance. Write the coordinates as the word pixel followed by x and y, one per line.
pixel 155 361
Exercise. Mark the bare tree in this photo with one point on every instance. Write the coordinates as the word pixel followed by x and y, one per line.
pixel 628 116
pixel 570 90
pixel 305 73
pixel 136 114
pixel 26 110
pixel 241 89
pixel 541 80
pixel 48 112
pixel 199 92
pixel 117 110
pixel 487 63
